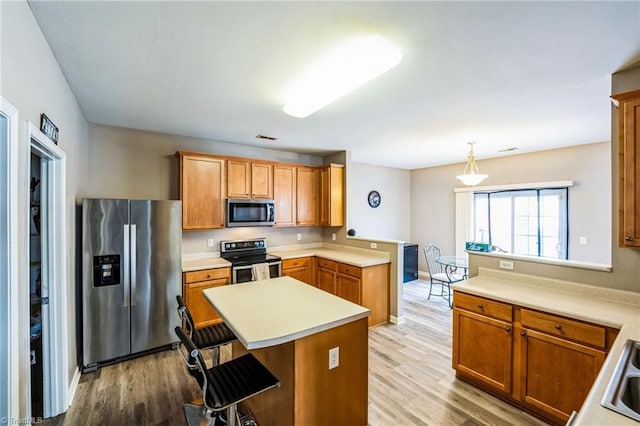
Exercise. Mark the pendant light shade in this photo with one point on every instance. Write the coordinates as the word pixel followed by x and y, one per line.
pixel 471 176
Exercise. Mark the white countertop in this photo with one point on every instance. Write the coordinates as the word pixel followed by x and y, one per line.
pixel 199 264
pixel 613 308
pixel 279 310
pixel 351 256
pixel 356 257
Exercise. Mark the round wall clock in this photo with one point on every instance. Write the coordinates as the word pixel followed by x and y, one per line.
pixel 374 199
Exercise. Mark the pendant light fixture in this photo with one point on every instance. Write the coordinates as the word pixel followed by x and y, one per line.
pixel 471 176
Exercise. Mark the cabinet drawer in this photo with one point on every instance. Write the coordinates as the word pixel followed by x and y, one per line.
pixel 589 334
pixel 353 271
pixel 326 264
pixel 480 305
pixel 206 274
pixel 295 263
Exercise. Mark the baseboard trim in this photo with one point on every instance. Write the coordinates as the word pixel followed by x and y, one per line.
pixel 73 386
pixel 396 320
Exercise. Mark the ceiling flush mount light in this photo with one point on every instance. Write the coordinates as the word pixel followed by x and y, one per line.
pixel 471 176
pixel 342 70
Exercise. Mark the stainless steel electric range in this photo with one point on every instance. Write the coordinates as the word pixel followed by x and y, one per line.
pixel 243 254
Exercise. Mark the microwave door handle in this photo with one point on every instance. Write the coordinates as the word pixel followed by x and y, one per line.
pixel 272 209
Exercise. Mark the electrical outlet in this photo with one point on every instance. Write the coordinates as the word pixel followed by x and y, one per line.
pixel 506 264
pixel 583 241
pixel 333 236
pixel 299 236
pixel 334 357
pixel 210 242
pixel 374 245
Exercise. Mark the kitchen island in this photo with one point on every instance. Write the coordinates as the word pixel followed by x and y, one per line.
pixel 291 328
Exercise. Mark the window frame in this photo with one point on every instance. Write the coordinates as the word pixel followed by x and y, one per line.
pixel 563 223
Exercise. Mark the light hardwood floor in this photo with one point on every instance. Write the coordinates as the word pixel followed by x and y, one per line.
pixel 411 381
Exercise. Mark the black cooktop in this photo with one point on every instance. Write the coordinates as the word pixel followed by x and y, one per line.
pixel 241 260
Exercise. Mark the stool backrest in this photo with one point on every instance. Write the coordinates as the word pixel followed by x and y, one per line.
pixel 185 316
pixel 193 358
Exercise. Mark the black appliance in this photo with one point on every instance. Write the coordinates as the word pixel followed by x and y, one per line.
pixel 410 270
pixel 243 254
pixel 247 212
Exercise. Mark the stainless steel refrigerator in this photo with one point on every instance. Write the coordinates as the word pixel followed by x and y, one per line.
pixel 132 273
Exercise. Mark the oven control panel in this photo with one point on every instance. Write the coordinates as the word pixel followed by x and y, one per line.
pixel 227 246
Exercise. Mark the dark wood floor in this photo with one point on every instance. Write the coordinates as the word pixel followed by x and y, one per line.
pixel 410 381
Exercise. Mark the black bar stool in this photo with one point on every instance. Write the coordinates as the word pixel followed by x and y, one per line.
pixel 225 385
pixel 210 337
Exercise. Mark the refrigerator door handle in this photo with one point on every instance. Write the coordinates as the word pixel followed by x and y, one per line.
pixel 125 264
pixel 134 252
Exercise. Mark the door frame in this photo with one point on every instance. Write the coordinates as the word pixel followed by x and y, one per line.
pixel 9 273
pixel 55 284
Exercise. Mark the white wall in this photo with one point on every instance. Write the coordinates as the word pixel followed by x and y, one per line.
pixel 32 81
pixel 589 166
pixel 128 163
pixel 391 219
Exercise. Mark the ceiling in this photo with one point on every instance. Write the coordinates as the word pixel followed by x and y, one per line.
pixel 531 75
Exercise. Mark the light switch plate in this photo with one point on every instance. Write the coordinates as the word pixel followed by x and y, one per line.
pixel 334 357
pixel 210 242
pixel 298 236
pixel 374 245
pixel 583 241
pixel 333 236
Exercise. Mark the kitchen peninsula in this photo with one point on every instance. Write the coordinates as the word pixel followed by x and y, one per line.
pixel 314 342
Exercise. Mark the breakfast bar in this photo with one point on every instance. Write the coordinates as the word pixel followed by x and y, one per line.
pixel 314 342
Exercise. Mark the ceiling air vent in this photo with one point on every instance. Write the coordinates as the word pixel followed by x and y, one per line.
pixel 268 138
pixel 513 148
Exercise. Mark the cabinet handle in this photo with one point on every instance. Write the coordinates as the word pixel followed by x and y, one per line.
pixel 522 333
pixel 508 329
pixel 480 306
pixel 558 326
pixel 208 276
pixel 628 238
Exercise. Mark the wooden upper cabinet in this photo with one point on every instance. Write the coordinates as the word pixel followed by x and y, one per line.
pixel 629 168
pixel 332 195
pixel 284 194
pixel 202 190
pixel 261 180
pixel 238 179
pixel 247 179
pixel 307 186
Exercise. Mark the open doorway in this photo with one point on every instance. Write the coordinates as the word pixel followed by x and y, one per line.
pixel 46 292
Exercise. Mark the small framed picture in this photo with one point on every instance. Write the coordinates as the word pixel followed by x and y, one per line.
pixel 48 128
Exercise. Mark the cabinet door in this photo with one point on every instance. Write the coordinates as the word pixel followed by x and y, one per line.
pixel 307 196
pixel 238 179
pixel 202 192
pixel 300 274
pixel 261 180
pixel 555 374
pixel 284 195
pixel 482 349
pixel 350 288
pixel 630 172
pixel 201 310
pixel 326 280
pixel 332 195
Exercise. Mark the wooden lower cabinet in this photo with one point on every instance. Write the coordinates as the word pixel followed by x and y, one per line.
pixel 193 284
pixel 556 374
pixel 543 363
pixel 299 268
pixel 368 286
pixel 483 349
pixel 326 273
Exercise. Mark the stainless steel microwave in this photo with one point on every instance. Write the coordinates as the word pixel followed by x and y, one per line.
pixel 250 212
